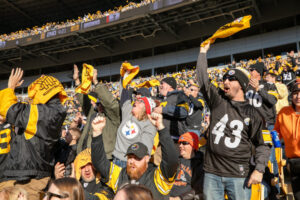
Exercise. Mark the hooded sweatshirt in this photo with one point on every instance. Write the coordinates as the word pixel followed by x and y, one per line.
pixel 288 127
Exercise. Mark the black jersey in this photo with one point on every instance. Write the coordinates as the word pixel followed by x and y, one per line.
pixel 6 135
pixel 196 112
pixel 264 100
pixel 288 77
pixel 235 128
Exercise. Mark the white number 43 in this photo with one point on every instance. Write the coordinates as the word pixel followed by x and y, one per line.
pixel 237 127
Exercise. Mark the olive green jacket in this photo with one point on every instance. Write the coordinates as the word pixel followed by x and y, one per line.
pixel 112 114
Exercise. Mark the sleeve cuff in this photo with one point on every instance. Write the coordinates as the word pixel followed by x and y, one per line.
pixel 260 168
pixel 97 139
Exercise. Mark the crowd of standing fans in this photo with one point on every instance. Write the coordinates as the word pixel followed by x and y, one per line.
pixel 201 133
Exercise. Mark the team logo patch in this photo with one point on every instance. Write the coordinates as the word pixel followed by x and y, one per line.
pixel 247 121
pixel 135 147
pixel 130 130
pixel 242 169
pixel 231 72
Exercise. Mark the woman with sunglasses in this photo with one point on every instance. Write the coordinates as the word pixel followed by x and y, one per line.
pixel 65 189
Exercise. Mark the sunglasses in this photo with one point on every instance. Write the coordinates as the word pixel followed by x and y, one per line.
pixel 49 195
pixel 230 78
pixel 183 143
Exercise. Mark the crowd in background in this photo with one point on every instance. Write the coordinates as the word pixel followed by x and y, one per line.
pixel 143 137
pixel 50 26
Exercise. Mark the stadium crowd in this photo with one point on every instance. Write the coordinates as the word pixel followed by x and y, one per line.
pixel 51 26
pixel 202 133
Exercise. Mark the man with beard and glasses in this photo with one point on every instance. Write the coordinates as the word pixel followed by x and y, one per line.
pixel 159 179
pixel 235 128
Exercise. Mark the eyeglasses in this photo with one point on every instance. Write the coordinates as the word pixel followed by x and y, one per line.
pixel 183 143
pixel 230 78
pixel 49 195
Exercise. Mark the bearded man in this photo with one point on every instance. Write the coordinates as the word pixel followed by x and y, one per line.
pixel 138 170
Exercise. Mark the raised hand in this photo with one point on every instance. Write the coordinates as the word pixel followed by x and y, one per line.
pixel 158 110
pixel 76 75
pixel 15 78
pixel 95 73
pixel 157 120
pixel 59 170
pixel 254 83
pixel 205 48
pixel 98 124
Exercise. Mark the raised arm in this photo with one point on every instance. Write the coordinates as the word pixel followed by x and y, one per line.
pixel 201 69
pixel 110 104
pixel 169 163
pixel 99 160
pixel 209 91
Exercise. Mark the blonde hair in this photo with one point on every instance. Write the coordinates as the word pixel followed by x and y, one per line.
pixel 12 193
pixel 143 114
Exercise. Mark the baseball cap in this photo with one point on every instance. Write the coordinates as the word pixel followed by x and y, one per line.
pixel 138 149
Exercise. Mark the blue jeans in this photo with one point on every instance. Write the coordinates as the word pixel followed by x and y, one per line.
pixel 236 188
pixel 119 162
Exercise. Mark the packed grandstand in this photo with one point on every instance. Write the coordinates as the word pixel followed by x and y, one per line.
pixel 138 102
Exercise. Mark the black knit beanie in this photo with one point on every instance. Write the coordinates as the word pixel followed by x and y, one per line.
pixel 241 75
pixel 170 81
pixel 259 67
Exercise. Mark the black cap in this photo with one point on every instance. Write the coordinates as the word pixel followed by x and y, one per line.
pixel 138 149
pixel 259 67
pixel 143 92
pixel 170 81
